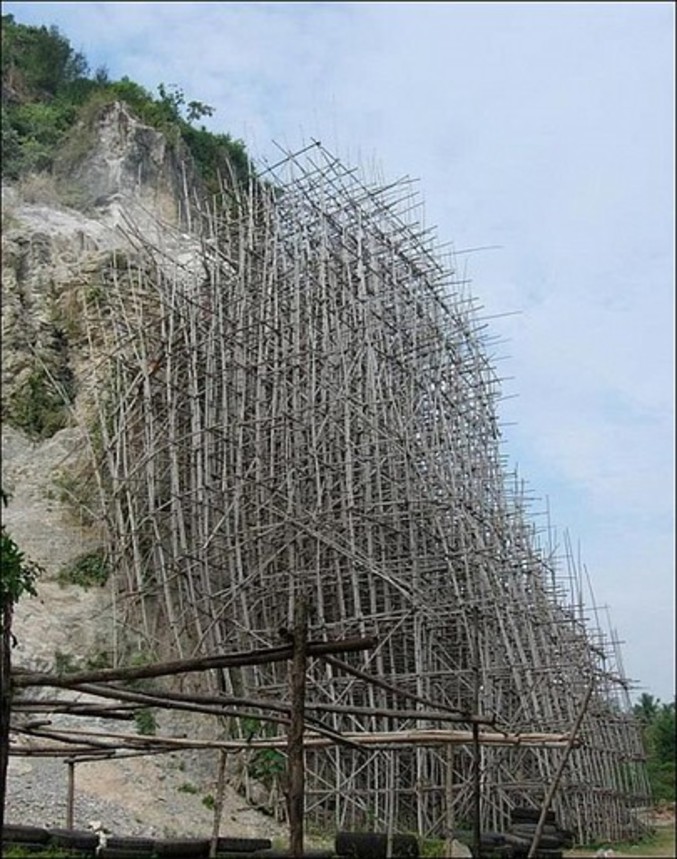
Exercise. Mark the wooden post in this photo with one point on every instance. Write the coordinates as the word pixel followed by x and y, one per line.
pixel 295 758
pixel 5 700
pixel 477 797
pixel 70 796
pixel 560 769
pixel 476 792
pixel 449 798
pixel 218 805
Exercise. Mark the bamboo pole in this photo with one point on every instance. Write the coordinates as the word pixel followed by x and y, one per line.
pixel 70 792
pixel 295 762
pixel 218 804
pixel 385 739
pixel 560 769
pixel 449 799
pixel 184 666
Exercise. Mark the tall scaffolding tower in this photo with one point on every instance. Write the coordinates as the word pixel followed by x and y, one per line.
pixel 305 406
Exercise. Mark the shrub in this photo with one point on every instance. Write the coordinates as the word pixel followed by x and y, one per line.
pixel 145 721
pixel 37 407
pixel 86 571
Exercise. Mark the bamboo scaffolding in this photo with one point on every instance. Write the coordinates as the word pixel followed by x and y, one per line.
pixel 309 406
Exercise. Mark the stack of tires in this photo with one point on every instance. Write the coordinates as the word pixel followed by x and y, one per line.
pixel 523 825
pixel 74 843
pixel 374 845
pixel 77 844
pixel 182 848
pixel 27 839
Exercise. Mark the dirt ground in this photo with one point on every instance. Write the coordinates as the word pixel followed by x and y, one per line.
pixel 662 844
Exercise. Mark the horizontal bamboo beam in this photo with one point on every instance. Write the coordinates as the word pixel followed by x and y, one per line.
pixel 402 693
pixel 184 666
pixel 215 703
pixel 381 738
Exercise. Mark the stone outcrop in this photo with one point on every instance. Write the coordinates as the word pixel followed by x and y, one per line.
pixel 54 258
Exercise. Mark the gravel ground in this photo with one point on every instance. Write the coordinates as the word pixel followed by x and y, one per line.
pixel 36 796
pixel 148 796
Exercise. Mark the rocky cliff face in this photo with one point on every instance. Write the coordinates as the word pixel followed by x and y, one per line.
pixel 54 258
pixel 127 180
pixel 128 163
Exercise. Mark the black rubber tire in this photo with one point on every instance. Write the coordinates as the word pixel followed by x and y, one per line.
pixel 16 834
pixel 74 839
pixel 124 842
pixel 119 853
pixel 497 851
pixel 374 845
pixel 523 814
pixel 226 844
pixel 551 839
pixel 529 828
pixel 517 840
pixel 491 839
pixel 278 854
pixel 183 848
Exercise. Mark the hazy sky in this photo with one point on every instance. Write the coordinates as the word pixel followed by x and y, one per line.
pixel 544 128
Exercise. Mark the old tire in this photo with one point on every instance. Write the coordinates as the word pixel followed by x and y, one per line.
pixel 122 853
pixel 74 839
pixel 226 844
pixel 16 834
pixel 374 845
pixel 183 848
pixel 524 814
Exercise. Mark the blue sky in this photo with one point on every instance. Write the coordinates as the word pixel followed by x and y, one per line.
pixel 546 129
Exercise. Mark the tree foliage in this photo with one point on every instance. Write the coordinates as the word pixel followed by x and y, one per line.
pixel 17 577
pixel 39 60
pixel 47 87
pixel 658 725
pixel 17 574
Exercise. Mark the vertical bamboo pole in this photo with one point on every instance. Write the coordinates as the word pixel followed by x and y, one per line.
pixel 477 797
pixel 560 769
pixel 295 762
pixel 218 805
pixel 449 798
pixel 70 795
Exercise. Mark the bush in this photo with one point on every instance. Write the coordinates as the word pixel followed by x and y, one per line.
pixel 86 571
pixel 37 407
pixel 146 723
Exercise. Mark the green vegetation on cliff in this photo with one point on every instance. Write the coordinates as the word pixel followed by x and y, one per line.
pixel 47 88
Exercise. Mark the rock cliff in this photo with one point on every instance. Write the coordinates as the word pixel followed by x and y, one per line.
pixel 64 235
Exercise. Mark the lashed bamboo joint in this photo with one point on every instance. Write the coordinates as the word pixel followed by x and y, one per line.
pixel 309 407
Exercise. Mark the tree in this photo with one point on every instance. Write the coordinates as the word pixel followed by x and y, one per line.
pixel 17 577
pixel 40 57
pixel 645 708
pixel 658 724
